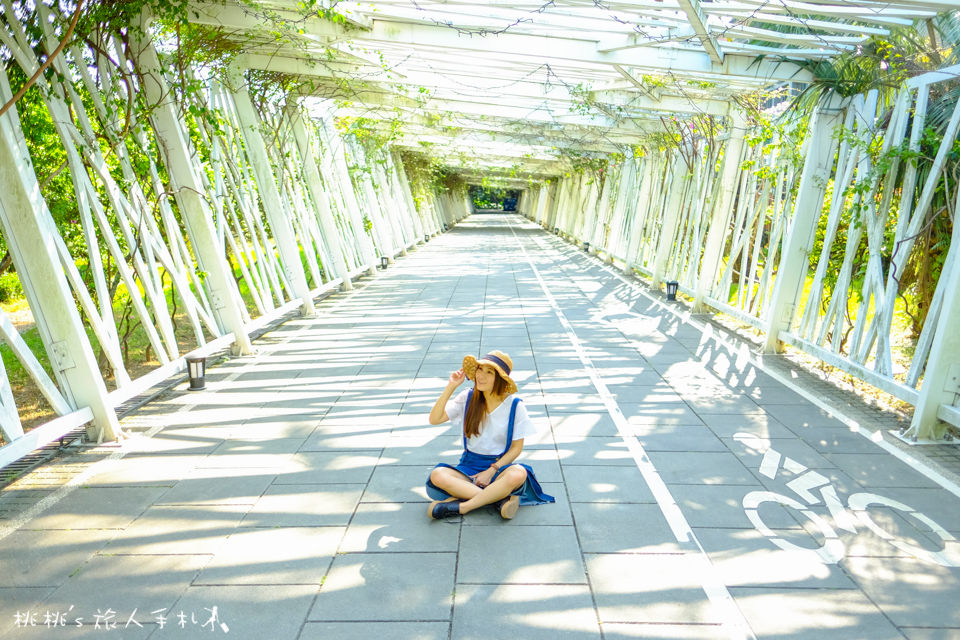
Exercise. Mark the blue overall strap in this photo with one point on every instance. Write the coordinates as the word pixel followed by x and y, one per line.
pixel 513 415
pixel 463 426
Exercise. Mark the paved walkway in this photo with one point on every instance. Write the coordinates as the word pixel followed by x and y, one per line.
pixel 288 497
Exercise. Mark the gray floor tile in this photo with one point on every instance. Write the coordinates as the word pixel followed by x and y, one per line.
pixel 387 586
pixel 21 606
pixel 281 615
pixel 304 505
pixel 328 440
pixel 794 448
pixel 544 462
pixel 395 483
pixel 814 614
pixel 943 508
pixel 646 413
pixel 722 506
pixel 97 508
pixel 623 631
pixel 606 484
pixel 767 394
pixel 891 585
pixel 651 588
pixel 831 440
pixel 178 442
pixel 183 529
pixel 398 527
pixel 240 486
pixel 677 438
pixel 324 467
pixel 538 555
pixel 726 403
pixel 746 558
pixel 46 558
pixel 913 633
pixel 802 416
pixel 761 425
pixel 380 630
pixel 235 448
pixel 698 467
pixel 127 585
pixel 534 612
pixel 595 450
pixel 582 424
pixel 144 470
pixel 624 528
pixel 295 555
pixel 414 451
pixel 879 470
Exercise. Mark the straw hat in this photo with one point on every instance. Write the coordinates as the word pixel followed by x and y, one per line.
pixel 496 359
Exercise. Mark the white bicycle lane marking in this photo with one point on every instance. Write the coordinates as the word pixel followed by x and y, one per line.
pixel 733 620
pixel 845 518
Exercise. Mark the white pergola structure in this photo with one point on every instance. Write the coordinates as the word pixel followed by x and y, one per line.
pixel 562 100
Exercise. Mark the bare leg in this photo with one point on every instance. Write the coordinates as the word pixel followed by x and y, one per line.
pixel 512 478
pixel 454 483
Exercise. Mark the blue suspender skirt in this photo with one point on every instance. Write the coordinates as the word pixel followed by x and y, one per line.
pixel 473 463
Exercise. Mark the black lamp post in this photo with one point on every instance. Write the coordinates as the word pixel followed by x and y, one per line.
pixel 197 367
pixel 672 287
pixel 586 247
pixel 384 261
pixel 426 238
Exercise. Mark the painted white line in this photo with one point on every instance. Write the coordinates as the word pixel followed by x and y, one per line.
pixel 742 350
pixel 734 623
pixel 104 465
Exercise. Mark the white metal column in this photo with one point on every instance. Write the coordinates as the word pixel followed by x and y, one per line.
pixel 941 378
pixel 269 194
pixel 336 149
pixel 820 147
pixel 29 232
pixel 716 232
pixel 189 193
pixel 312 176
pixel 671 218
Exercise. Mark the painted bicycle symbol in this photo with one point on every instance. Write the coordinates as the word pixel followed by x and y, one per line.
pixel 845 518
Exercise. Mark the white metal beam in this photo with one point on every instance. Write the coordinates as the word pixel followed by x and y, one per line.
pixel 699 23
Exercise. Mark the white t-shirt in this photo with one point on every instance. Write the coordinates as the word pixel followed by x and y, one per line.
pixel 493 435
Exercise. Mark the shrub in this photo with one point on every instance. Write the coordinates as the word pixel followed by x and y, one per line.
pixel 10 288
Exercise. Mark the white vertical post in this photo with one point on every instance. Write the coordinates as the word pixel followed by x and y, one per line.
pixel 551 219
pixel 671 218
pixel 269 194
pixel 821 147
pixel 335 146
pixel 381 229
pixel 642 205
pixel 30 235
pixel 941 377
pixel 716 232
pixel 189 192
pixel 393 205
pixel 312 175
pixel 403 185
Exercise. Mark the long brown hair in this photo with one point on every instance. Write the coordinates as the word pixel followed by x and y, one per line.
pixel 477 409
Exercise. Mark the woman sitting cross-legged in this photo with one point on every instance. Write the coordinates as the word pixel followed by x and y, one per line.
pixel 495 422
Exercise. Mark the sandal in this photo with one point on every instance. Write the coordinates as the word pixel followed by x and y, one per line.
pixel 508 507
pixel 440 509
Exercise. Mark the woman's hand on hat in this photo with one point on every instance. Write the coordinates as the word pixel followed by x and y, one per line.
pixel 457 378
